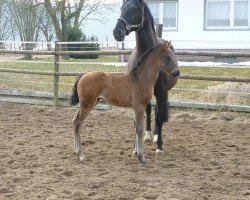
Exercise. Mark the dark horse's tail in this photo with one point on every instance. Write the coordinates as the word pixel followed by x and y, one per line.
pixel 74 97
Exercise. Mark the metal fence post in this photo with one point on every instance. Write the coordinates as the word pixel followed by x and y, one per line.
pixel 122 55
pixel 159 30
pixel 56 76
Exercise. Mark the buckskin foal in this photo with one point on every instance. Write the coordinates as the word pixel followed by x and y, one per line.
pixel 131 90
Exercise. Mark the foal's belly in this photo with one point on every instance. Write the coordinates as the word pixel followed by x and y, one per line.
pixel 117 100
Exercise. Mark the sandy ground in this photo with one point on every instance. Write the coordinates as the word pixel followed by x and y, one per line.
pixel 207 156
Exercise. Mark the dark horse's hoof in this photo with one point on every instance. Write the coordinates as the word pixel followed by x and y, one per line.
pixel 159 152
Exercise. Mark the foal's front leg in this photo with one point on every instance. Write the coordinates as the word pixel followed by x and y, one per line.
pixel 139 134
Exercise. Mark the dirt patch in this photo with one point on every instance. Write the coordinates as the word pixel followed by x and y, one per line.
pixel 206 156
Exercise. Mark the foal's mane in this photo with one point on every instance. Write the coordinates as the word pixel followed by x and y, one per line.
pixel 144 55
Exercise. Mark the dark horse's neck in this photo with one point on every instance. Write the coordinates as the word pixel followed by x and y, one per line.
pixel 145 37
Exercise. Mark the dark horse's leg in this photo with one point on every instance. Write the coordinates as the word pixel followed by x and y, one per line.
pixel 148 122
pixel 162 107
pixel 148 111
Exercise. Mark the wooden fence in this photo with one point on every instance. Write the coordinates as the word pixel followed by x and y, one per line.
pixel 56 74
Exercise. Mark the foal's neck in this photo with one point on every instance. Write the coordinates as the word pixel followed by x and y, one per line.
pixel 145 37
pixel 148 71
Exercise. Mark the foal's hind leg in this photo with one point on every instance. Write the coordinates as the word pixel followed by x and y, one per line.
pixel 148 122
pixel 77 124
pixel 139 113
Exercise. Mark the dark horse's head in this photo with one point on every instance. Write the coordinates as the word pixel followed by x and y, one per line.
pixel 132 18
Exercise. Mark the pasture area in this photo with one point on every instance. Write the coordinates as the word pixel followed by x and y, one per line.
pixel 207 156
pixel 186 90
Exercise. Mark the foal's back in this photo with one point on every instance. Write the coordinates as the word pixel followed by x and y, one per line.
pixel 113 89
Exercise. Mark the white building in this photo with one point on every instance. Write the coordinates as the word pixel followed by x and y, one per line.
pixel 202 24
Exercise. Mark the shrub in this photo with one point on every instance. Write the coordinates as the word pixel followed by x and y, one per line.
pixel 75 34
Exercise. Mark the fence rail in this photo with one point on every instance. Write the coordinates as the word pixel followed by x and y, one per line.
pixel 43 98
pixel 193 77
pixel 127 52
pixel 56 74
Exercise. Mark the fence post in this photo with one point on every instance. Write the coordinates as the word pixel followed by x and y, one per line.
pixel 122 59
pixel 56 76
pixel 159 30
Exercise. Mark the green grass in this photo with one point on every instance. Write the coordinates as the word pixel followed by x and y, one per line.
pixel 204 85
pixel 36 82
pixel 213 71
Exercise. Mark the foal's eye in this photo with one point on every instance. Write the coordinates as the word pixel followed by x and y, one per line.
pixel 167 60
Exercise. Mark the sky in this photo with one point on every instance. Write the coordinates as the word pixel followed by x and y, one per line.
pixel 106 1
pixel 103 30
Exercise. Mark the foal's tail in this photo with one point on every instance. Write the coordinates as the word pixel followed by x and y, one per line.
pixel 74 97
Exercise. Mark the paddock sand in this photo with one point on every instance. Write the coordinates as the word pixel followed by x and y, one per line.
pixel 206 156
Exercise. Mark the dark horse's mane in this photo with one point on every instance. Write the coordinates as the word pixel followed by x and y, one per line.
pixel 151 19
pixel 144 55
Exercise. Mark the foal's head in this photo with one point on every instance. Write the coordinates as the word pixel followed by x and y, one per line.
pixel 167 60
pixel 162 56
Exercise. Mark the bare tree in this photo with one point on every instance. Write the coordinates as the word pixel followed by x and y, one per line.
pixel 5 22
pixel 45 25
pixel 61 17
pixel 65 13
pixel 96 10
pixel 31 22
pixel 24 15
pixel 25 20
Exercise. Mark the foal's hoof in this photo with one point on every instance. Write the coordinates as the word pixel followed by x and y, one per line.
pixel 143 160
pixel 81 157
pixel 155 138
pixel 134 154
pixel 159 152
pixel 147 137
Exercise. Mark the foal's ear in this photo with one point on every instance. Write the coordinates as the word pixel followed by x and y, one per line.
pixel 165 46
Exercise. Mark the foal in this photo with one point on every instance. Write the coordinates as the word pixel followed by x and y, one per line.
pixel 131 90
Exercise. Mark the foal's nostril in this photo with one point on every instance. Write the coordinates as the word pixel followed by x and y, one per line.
pixel 176 73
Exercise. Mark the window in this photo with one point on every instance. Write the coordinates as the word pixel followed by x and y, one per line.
pixel 241 13
pixel 154 8
pixel 169 14
pixel 227 14
pixel 164 12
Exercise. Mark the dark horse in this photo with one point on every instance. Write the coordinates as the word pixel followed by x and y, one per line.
pixel 136 16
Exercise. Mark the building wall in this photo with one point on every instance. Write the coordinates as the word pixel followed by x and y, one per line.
pixel 191 33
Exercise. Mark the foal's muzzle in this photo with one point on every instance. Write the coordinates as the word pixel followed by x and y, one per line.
pixel 176 73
